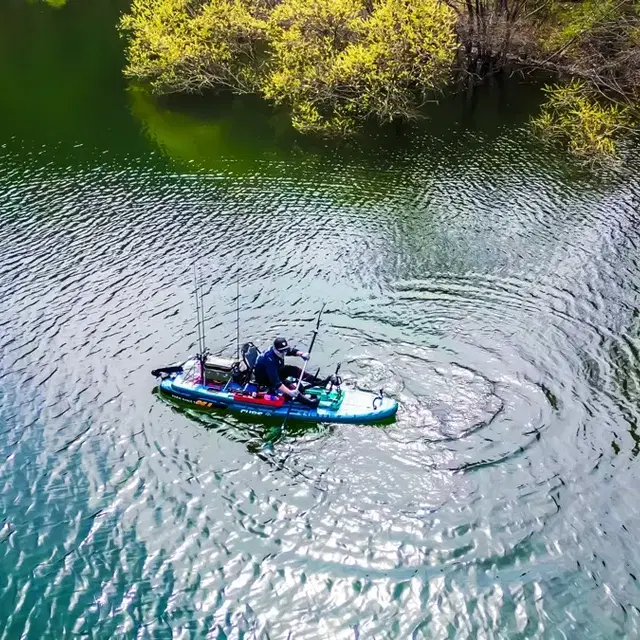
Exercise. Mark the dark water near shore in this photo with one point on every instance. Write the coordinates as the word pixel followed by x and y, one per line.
pixel 487 283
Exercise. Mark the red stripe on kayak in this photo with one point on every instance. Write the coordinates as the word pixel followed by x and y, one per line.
pixel 261 399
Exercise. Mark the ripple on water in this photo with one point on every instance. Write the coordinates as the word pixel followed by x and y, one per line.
pixel 499 312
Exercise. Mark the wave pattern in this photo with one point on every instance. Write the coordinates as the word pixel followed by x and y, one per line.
pixel 495 296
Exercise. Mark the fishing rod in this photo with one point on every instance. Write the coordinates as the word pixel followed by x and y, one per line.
pixel 200 313
pixel 237 316
pixel 198 323
pixel 204 342
pixel 304 367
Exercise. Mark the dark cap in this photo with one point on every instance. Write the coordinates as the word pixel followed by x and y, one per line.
pixel 280 344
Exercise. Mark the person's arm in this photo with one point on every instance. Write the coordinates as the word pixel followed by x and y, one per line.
pixel 294 351
pixel 276 383
pixel 292 393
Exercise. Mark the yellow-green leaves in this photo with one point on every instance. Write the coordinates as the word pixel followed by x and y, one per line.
pixel 599 42
pixel 306 38
pixel 183 45
pixel 588 127
pixel 573 21
pixel 334 62
pixel 337 63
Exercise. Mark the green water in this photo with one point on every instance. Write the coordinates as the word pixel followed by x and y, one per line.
pixel 486 282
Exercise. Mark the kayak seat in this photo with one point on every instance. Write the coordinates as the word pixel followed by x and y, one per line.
pixel 250 355
pixel 243 373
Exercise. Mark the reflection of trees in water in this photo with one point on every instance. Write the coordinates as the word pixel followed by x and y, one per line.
pixel 61 72
pixel 220 131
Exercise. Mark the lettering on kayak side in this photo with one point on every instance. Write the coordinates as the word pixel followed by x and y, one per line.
pixel 200 403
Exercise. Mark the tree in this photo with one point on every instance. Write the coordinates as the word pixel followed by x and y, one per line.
pixel 596 43
pixel 492 30
pixel 334 62
pixel 190 45
pixel 588 127
pixel 337 63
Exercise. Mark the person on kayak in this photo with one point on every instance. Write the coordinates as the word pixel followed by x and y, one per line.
pixel 271 370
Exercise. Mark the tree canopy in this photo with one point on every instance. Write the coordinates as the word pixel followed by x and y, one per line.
pixel 338 63
pixel 333 62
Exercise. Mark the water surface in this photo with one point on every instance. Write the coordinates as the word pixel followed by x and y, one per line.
pixel 484 281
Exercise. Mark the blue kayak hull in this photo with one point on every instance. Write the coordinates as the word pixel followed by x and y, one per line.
pixel 351 407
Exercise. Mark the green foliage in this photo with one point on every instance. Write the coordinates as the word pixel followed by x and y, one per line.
pixel 573 22
pixel 334 62
pixel 574 117
pixel 186 45
pixel 306 37
pixel 337 64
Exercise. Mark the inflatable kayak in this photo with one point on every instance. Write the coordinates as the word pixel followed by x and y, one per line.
pixel 216 383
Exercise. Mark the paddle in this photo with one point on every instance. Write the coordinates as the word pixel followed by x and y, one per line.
pixel 313 340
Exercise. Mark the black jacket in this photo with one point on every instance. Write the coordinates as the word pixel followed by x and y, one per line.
pixel 268 366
